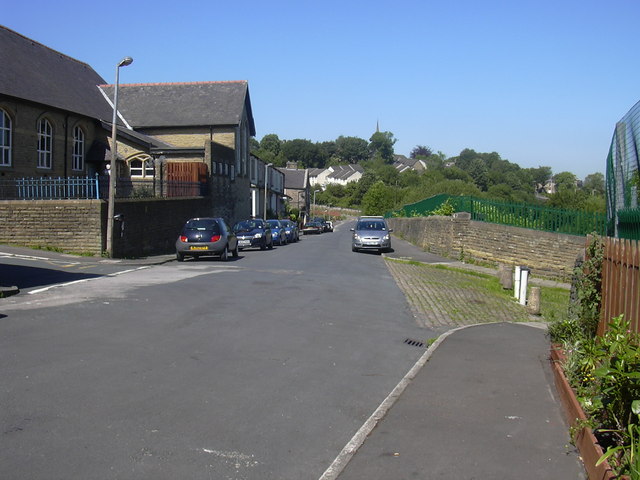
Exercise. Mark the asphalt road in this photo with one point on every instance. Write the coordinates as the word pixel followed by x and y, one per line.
pixel 263 367
pixel 33 270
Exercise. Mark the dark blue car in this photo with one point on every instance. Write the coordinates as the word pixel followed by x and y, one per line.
pixel 253 233
pixel 291 230
pixel 278 233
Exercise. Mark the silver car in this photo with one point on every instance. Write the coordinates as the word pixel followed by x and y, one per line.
pixel 371 233
pixel 206 236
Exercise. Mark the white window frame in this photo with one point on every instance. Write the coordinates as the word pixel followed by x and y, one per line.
pixel 146 168
pixel 78 155
pixel 5 139
pixel 45 144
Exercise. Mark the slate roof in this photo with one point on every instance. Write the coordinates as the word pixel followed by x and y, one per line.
pixel 294 178
pixel 343 172
pixel 34 72
pixel 183 104
pixel 405 160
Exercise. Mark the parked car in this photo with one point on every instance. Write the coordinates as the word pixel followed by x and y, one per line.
pixel 312 227
pixel 279 235
pixel 327 225
pixel 371 233
pixel 206 236
pixel 253 233
pixel 291 229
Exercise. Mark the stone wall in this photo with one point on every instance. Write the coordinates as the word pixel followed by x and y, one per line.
pixel 69 225
pixel 24 137
pixel 150 226
pixel 547 254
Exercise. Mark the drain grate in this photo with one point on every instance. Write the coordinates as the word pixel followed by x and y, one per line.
pixel 414 343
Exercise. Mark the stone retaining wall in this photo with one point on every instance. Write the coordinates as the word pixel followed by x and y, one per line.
pixel 69 225
pixel 151 226
pixel 547 254
pixel 79 226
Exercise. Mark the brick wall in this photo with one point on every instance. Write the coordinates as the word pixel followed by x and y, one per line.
pixel 547 254
pixel 70 225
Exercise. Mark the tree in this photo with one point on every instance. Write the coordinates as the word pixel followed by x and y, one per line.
pixel 455 173
pixel 594 184
pixel 329 151
pixel 479 172
pixel 303 151
pixel 565 181
pixel 540 175
pixel 388 174
pixel 381 146
pixel 356 190
pixel 421 151
pixel 271 143
pixel 352 149
pixel 378 199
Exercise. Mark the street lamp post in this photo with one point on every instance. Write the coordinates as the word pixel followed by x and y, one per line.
pixel 112 164
pixel 313 210
pixel 266 173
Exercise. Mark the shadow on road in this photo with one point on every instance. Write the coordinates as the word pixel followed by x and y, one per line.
pixel 25 277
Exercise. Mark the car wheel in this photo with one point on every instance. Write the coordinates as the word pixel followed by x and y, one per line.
pixel 354 249
pixel 180 256
pixel 224 256
pixel 234 252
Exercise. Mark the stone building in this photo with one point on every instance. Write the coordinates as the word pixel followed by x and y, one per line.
pixel 55 122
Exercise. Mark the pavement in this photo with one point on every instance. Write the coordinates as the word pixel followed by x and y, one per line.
pixel 479 404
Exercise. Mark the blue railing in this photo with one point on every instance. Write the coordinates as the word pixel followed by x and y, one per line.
pixel 64 188
pixel 48 188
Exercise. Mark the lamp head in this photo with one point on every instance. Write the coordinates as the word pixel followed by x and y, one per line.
pixel 125 61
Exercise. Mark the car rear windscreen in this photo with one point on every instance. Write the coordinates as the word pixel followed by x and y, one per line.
pixel 209 225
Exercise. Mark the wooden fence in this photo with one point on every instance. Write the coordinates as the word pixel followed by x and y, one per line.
pixel 192 174
pixel 620 282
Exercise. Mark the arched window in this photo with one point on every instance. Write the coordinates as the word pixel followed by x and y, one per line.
pixel 141 166
pixel 5 139
pixel 78 149
pixel 45 141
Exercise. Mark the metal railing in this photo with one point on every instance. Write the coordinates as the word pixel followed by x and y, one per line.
pixel 535 217
pixel 48 188
pixel 628 223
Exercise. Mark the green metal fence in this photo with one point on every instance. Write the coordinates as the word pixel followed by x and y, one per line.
pixel 629 223
pixel 535 217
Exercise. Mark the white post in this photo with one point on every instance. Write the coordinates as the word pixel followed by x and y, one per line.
pixel 516 282
pixel 524 273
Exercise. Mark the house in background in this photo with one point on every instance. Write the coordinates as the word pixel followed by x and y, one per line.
pixel 297 188
pixel 336 175
pixel 403 163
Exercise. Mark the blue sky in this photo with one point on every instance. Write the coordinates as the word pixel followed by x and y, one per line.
pixel 540 82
